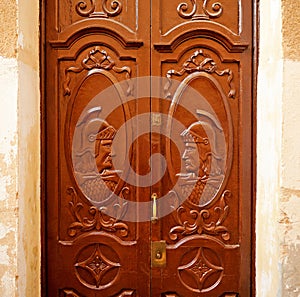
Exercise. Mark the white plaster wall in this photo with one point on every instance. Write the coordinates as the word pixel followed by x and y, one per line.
pixel 269 117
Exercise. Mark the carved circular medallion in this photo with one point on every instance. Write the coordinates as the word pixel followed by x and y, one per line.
pixel 201 270
pixel 97 266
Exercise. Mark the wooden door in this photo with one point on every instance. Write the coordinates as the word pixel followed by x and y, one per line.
pixel 124 81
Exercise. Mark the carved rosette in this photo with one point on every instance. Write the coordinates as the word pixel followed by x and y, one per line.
pixel 97 58
pixel 97 266
pixel 200 62
pixel 199 10
pixel 99 8
pixel 205 273
pixel 201 222
pixel 95 219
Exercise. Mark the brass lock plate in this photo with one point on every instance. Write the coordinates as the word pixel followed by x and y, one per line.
pixel 158 254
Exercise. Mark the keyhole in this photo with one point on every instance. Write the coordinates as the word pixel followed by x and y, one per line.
pixel 158 255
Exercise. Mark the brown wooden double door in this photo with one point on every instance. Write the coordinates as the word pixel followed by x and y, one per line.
pixel 147 148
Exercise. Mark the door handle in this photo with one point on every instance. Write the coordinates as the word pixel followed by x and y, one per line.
pixel 154 217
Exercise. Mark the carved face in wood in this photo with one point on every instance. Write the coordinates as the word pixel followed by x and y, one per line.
pixel 203 175
pixel 191 158
pixel 104 151
pixel 196 156
pixel 104 155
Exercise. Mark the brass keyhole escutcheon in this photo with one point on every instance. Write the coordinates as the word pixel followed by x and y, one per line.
pixel 158 254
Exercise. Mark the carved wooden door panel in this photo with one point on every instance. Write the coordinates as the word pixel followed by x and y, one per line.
pixel 89 47
pixel 204 49
pixel 123 82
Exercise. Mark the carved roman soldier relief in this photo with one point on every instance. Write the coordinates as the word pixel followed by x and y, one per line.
pixel 203 162
pixel 94 166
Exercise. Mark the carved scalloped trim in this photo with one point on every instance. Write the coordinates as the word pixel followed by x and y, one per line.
pixel 86 27
pixel 200 29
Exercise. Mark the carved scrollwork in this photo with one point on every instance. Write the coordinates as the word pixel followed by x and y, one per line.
pixel 96 219
pixel 200 221
pixel 83 10
pixel 199 11
pixel 97 58
pixel 200 62
pixel 116 7
pixel 99 10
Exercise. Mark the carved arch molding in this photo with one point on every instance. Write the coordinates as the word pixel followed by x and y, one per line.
pixel 97 237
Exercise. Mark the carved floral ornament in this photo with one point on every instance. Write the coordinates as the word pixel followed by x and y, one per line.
pixel 201 222
pixel 95 219
pixel 200 62
pixel 97 58
pixel 199 10
pixel 99 8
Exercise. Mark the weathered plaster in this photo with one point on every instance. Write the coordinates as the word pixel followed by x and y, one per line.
pixel 290 181
pixel 28 35
pixel 19 149
pixel 269 92
pixel 8 28
pixel 290 29
pixel 290 242
pixel 8 175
